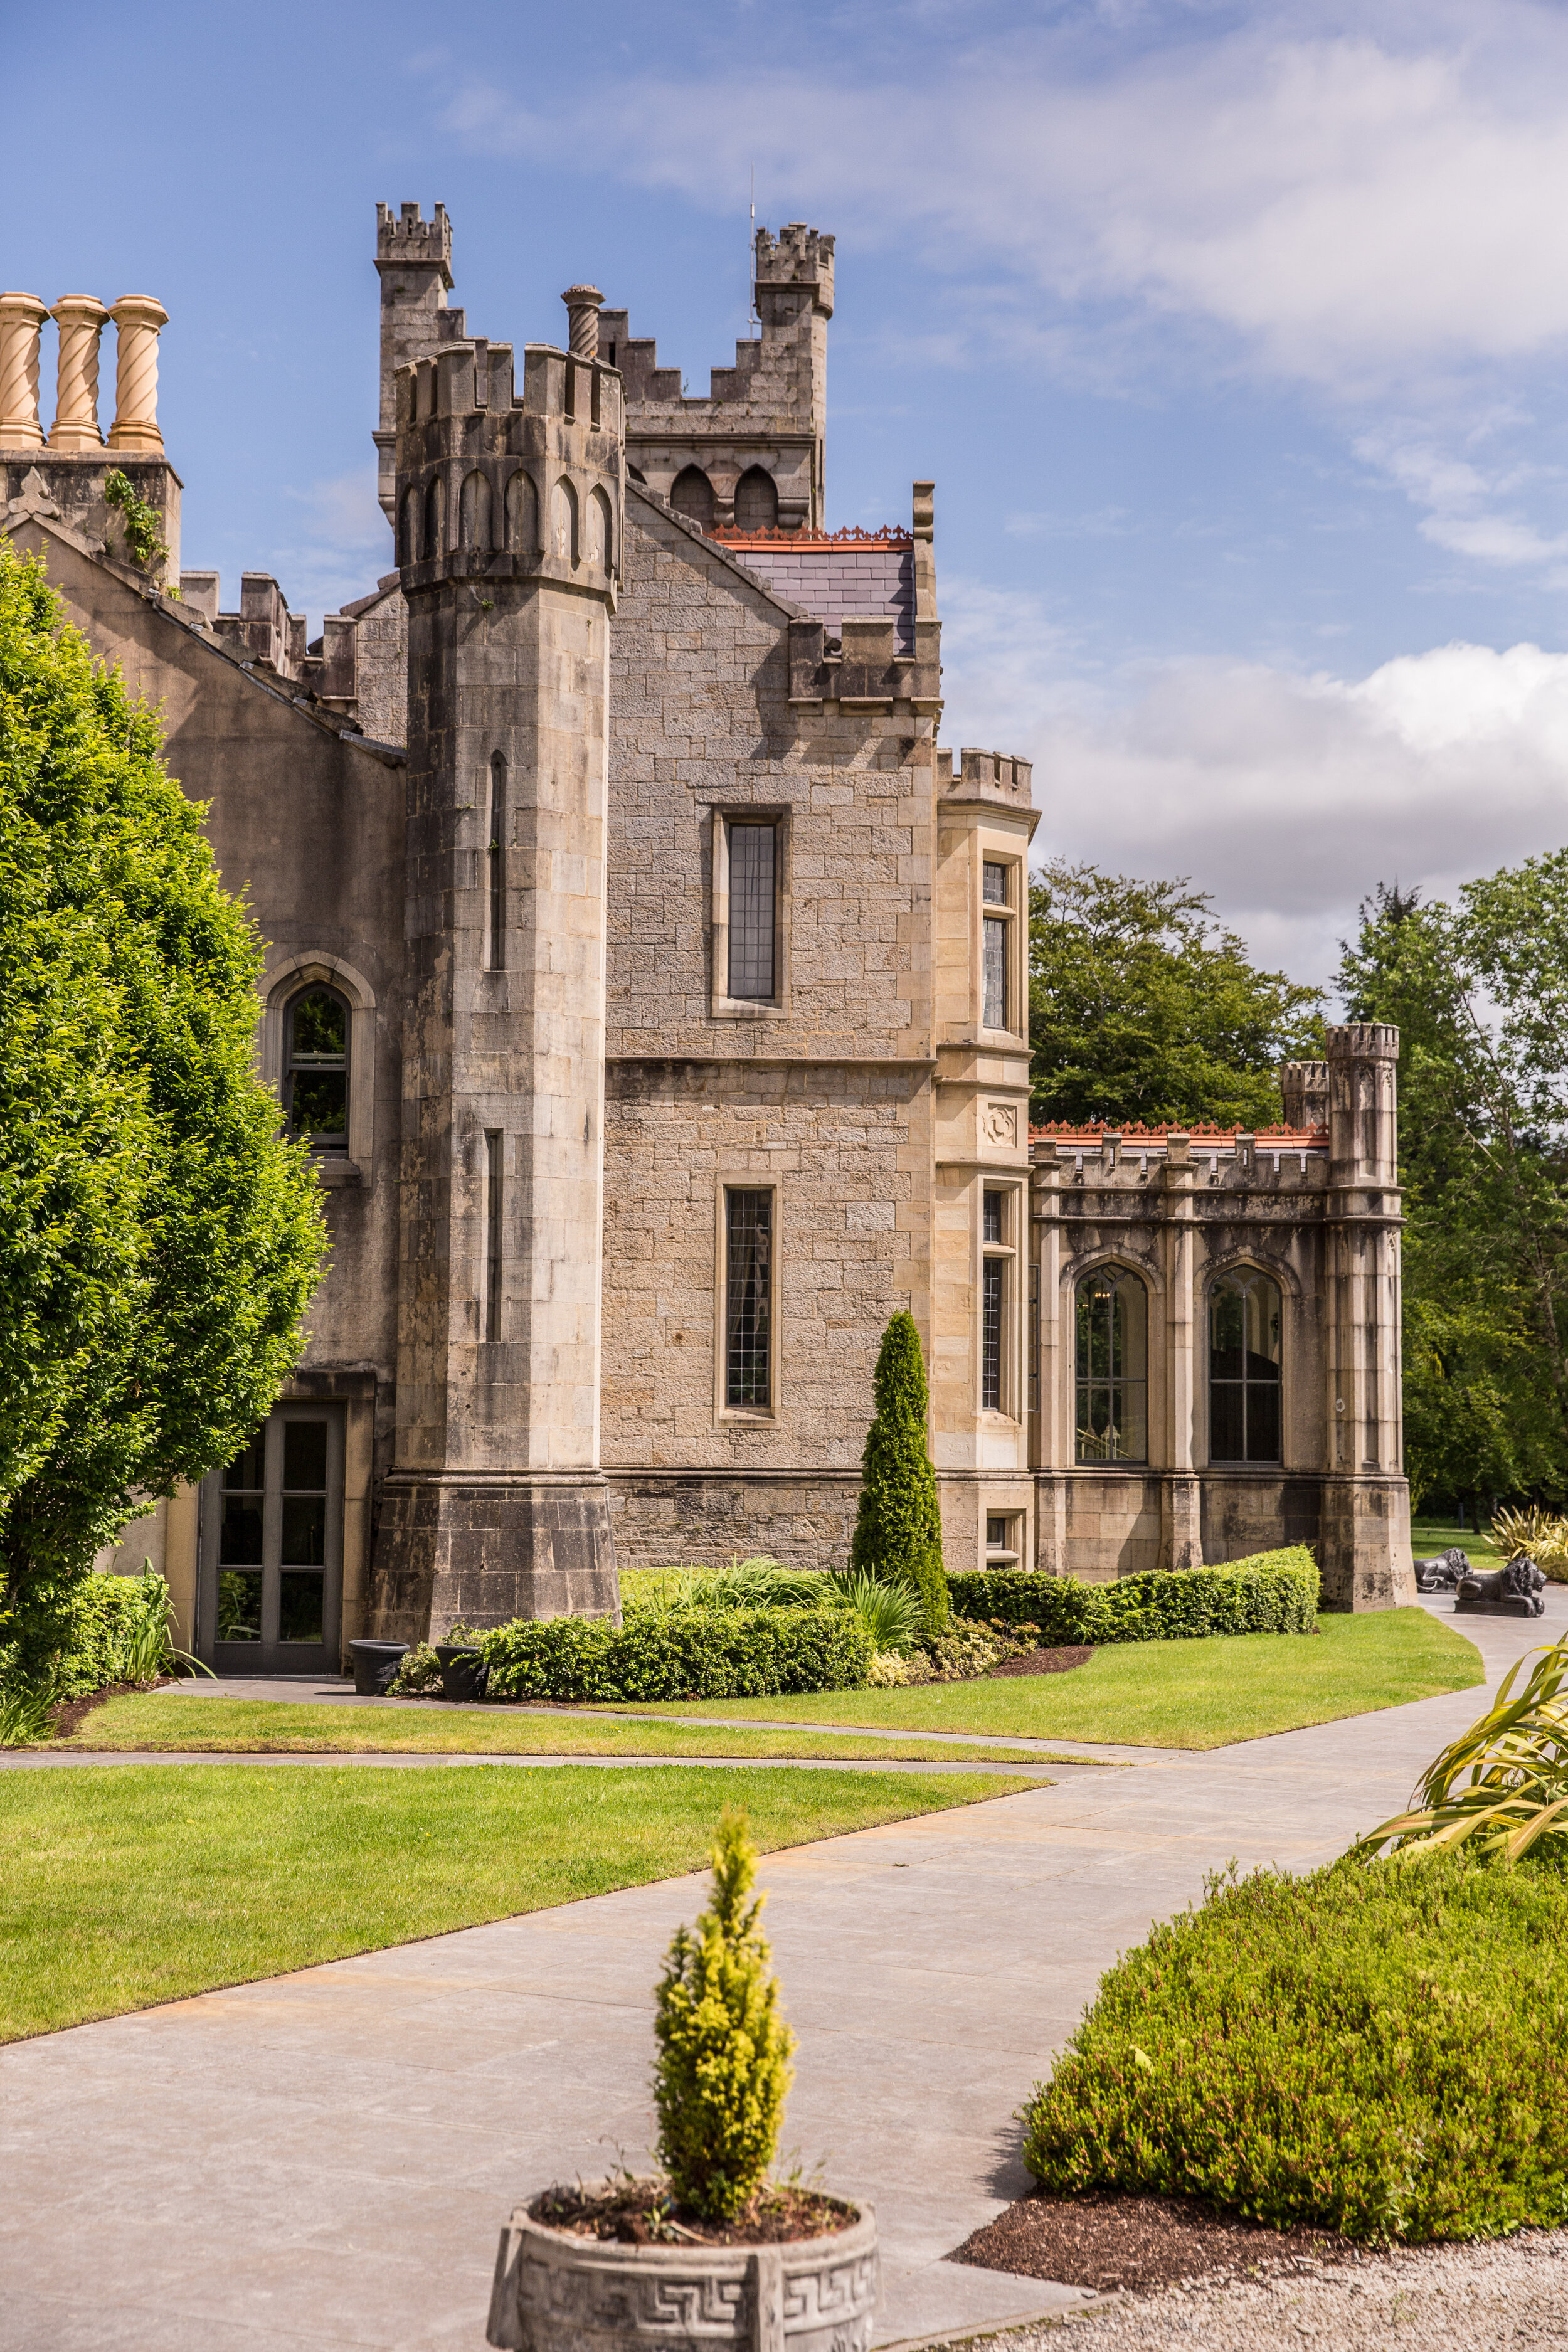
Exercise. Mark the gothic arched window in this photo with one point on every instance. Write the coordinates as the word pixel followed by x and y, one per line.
pixel 693 496
pixel 1244 1320
pixel 563 522
pixel 316 1069
pixel 756 500
pixel 1112 1320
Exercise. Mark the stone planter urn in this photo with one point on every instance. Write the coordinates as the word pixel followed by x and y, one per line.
pixel 555 2292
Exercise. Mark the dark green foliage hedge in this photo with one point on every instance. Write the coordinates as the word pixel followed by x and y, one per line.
pixel 1378 2049
pixel 80 1631
pixel 897 1527
pixel 682 1654
pixel 1273 1592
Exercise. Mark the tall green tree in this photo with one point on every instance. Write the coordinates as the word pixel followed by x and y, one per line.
pixel 158 1241
pixel 897 1529
pixel 1480 991
pixel 1144 1010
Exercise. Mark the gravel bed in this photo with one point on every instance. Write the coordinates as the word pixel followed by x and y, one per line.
pixel 1508 2296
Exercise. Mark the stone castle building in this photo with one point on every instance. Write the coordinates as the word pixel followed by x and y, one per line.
pixel 653 991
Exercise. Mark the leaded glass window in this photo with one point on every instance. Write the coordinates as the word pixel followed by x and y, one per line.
pixel 748 1299
pixel 992 1302
pixel 1112 1320
pixel 993 893
pixel 753 860
pixel 316 1071
pixel 1244 1368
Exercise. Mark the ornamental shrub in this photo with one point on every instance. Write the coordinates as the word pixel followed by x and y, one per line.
pixel 1376 2049
pixel 897 1529
pixel 683 1654
pixel 1272 1593
pixel 159 1239
pixel 723 2068
pixel 94 1633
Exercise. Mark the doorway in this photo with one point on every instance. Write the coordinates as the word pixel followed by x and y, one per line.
pixel 272 1549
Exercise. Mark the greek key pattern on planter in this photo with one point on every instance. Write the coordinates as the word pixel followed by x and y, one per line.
pixel 556 2293
pixel 829 2297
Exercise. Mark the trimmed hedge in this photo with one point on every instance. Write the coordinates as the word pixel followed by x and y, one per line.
pixel 683 1654
pixel 1273 1592
pixel 1377 2048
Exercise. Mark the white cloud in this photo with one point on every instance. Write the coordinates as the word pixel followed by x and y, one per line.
pixel 1286 796
pixel 1469 511
pixel 1354 208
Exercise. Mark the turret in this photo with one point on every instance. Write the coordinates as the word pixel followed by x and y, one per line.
pixel 414 260
pixel 508 506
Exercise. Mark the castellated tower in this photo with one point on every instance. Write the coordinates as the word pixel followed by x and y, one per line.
pixel 509 509
pixel 413 262
pixel 752 455
pixel 1366 1506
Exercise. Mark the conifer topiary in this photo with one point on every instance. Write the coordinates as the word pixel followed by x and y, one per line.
pixel 898 1531
pixel 723 2068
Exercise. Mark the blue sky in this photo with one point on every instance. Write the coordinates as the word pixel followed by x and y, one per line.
pixel 1234 337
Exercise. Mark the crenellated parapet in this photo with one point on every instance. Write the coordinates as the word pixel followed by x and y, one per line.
pixel 985 776
pixel 751 454
pixel 505 480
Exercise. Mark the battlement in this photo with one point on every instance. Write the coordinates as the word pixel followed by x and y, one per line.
pixel 985 775
pixel 410 242
pixel 798 256
pixel 749 454
pixel 1363 1040
pixel 414 260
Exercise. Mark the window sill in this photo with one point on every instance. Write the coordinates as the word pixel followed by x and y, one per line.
pixel 747 1008
pixel 336 1171
pixel 756 1416
pixel 1000 1560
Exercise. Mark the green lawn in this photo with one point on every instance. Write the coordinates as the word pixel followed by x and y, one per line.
pixel 1170 1694
pixel 261 1725
pixel 1430 1537
pixel 132 1884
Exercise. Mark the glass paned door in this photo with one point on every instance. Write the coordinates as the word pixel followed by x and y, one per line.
pixel 272 1549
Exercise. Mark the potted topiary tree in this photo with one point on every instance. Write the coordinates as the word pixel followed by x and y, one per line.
pixel 710 2249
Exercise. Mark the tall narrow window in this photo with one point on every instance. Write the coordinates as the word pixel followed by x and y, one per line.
pixel 1034 1335
pixel 493 1185
pixel 1244 1368
pixel 993 1299
pixel 1112 1316
pixel 748 1299
pixel 495 876
pixel 994 892
pixel 753 893
pixel 316 1069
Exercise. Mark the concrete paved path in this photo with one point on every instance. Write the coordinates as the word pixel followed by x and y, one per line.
pixel 323 2160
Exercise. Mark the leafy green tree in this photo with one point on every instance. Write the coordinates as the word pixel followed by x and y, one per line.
pixel 1480 993
pixel 723 2068
pixel 159 1242
pixel 1144 1011
pixel 897 1529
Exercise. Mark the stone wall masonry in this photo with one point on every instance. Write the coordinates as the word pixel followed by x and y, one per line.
pixel 700 720
pixel 849 1151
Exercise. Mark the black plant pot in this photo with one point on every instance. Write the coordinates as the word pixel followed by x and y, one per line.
pixel 375 1663
pixel 465 1672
